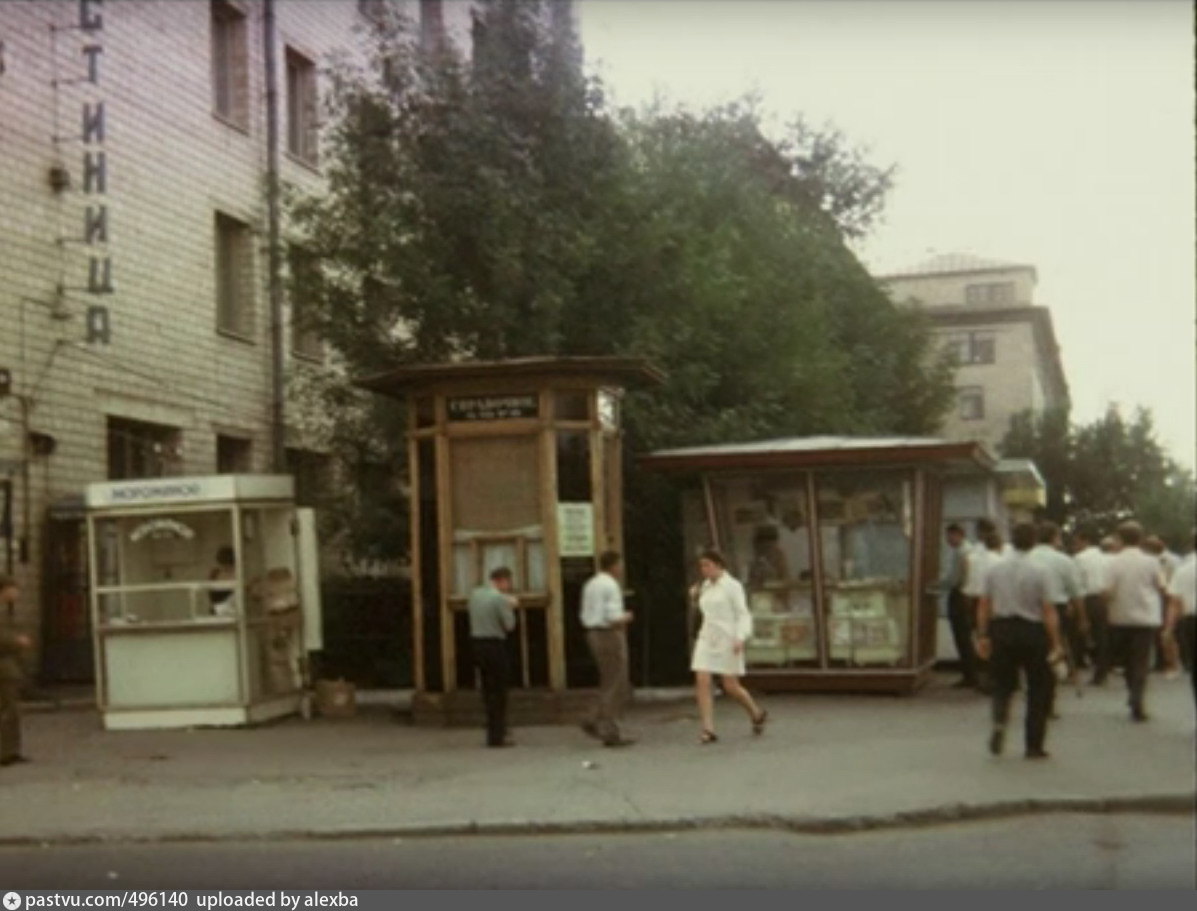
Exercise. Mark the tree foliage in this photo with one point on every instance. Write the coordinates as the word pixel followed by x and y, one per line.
pixel 496 207
pixel 1107 471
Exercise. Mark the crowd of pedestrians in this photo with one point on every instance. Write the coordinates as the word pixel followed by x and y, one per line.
pixel 1038 611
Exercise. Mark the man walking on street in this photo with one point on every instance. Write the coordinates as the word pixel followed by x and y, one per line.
pixel 1018 629
pixel 960 617
pixel 1182 613
pixel 606 622
pixel 12 645
pixel 1064 591
pixel 986 552
pixel 492 618
pixel 1133 586
pixel 1091 568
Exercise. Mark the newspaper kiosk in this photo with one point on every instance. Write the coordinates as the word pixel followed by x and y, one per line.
pixel 204 599
pixel 836 540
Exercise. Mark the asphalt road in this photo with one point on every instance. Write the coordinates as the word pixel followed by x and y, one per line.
pixel 1042 852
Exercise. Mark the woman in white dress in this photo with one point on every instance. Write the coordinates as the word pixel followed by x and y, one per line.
pixel 726 626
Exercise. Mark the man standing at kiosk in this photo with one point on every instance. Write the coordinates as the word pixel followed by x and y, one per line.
pixel 606 622
pixel 491 619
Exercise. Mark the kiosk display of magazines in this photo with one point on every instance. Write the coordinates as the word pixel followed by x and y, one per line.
pixel 205 600
pixel 836 540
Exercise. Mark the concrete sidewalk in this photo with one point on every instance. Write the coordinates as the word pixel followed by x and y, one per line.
pixel 827 763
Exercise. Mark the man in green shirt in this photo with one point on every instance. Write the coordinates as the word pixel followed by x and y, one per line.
pixel 492 618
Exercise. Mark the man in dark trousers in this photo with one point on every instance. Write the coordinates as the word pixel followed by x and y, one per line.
pixel 960 614
pixel 1134 581
pixel 1091 567
pixel 1018 628
pixel 492 618
pixel 12 645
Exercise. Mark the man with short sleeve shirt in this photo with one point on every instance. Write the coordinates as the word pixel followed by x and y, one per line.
pixel 1018 629
pixel 1182 613
pixel 1091 568
pixel 605 621
pixel 492 618
pixel 960 614
pixel 1064 591
pixel 1133 584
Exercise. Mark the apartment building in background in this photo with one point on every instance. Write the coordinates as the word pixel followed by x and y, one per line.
pixel 1004 344
pixel 136 334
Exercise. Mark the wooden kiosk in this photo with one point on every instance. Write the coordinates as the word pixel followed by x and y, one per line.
pixel 513 463
pixel 837 541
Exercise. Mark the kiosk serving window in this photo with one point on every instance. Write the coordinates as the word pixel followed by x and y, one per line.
pixel 163 568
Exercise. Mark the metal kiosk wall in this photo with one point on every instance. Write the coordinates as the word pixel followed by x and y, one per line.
pixel 179 643
pixel 837 542
pixel 512 463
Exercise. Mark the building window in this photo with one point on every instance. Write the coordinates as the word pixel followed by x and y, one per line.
pixel 432 25
pixel 971 403
pixel 972 347
pixel 302 100
pixel 138 449
pixel 989 293
pixel 305 273
pixel 230 63
pixel 233 454
pixel 234 277
pixel 312 473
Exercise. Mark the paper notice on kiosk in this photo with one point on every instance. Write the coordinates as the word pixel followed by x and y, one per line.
pixel 575 529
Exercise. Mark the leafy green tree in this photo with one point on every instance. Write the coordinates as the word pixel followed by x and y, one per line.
pixel 1107 471
pixel 496 207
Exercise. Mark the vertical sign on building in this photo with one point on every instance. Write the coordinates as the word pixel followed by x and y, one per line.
pixel 95 176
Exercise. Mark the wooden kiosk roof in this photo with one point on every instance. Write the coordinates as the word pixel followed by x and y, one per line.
pixel 622 370
pixel 823 452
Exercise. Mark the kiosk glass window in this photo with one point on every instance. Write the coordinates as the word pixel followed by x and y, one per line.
pixel 763 524
pixel 865 526
pixel 163 567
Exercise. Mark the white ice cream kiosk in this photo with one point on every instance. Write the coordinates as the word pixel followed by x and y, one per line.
pixel 205 600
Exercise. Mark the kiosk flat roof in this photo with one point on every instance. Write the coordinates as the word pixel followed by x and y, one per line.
pixel 624 370
pixel 822 451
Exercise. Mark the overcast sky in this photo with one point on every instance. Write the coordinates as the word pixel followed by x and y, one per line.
pixel 1057 133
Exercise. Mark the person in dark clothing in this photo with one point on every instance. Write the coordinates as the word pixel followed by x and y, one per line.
pixel 1018 628
pixel 960 614
pixel 12 647
pixel 492 618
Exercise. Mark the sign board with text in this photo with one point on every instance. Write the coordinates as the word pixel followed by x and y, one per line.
pixel 575 530
pixel 492 407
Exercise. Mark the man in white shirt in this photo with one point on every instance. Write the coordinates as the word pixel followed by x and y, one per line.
pixel 1167 657
pixel 1018 629
pixel 1133 587
pixel 1064 591
pixel 606 621
pixel 1091 567
pixel 1182 611
pixel 984 556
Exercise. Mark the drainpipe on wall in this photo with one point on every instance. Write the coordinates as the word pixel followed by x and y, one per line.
pixel 278 427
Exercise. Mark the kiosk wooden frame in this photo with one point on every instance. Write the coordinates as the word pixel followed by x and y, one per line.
pixel 837 540
pixel 514 462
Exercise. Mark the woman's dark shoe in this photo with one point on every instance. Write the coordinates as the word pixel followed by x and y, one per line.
pixel 758 723
pixel 707 737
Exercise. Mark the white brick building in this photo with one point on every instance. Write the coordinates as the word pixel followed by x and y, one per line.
pixel 1005 345
pixel 135 317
